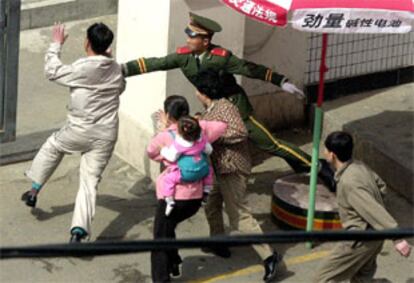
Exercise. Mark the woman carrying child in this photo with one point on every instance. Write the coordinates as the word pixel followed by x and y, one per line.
pixel 187 196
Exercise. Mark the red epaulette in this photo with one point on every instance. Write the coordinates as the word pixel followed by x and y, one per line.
pixel 219 52
pixel 183 50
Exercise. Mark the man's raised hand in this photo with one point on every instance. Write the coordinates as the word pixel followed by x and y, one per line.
pixel 58 34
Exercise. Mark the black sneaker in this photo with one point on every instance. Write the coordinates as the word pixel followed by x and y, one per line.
pixel 75 238
pixel 174 265
pixel 29 198
pixel 272 266
pixel 326 174
pixel 221 252
pixel 77 235
pixel 175 270
pixel 205 199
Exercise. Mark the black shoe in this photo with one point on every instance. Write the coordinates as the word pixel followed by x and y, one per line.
pixel 77 235
pixel 75 238
pixel 272 266
pixel 175 270
pixel 29 199
pixel 221 252
pixel 326 174
pixel 174 265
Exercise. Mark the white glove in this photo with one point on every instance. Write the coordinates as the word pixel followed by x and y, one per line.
pixel 291 88
pixel 170 205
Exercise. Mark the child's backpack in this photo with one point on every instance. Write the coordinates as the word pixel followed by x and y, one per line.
pixel 192 170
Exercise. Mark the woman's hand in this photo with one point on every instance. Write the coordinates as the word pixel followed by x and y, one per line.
pixel 161 119
pixel 198 116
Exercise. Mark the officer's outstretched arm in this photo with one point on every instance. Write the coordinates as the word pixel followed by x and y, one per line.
pixel 146 65
pixel 239 66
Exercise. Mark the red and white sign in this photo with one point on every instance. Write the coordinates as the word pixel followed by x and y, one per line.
pixel 266 11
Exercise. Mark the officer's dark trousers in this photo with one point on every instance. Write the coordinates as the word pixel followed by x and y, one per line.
pixel 164 227
pixel 264 140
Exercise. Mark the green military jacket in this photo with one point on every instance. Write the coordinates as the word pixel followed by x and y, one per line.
pixel 360 198
pixel 217 60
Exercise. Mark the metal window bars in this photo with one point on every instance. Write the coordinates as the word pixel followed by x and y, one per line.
pixel 351 55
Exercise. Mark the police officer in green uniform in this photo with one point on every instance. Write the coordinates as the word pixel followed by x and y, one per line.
pixel 201 60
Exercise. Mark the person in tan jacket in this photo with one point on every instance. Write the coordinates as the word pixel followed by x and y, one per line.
pixel 360 194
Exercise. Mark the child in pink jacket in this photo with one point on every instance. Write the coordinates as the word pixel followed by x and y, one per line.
pixel 189 152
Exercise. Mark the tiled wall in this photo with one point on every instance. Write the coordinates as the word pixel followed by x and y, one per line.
pixel 359 54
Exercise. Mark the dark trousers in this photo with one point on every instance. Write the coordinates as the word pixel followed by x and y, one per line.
pixel 164 227
pixel 264 140
pixel 261 137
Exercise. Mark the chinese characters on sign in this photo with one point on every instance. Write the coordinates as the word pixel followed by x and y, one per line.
pixel 251 8
pixel 337 20
pixel 352 21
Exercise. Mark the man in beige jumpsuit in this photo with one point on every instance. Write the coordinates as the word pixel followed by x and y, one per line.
pixel 95 83
pixel 360 199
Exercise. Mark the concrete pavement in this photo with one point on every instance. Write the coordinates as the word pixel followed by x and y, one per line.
pixel 125 210
pixel 382 123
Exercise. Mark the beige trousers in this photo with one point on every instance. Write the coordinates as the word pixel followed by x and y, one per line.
pixel 95 154
pixel 350 262
pixel 231 190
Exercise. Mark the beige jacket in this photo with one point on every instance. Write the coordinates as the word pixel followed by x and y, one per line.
pixel 360 198
pixel 95 83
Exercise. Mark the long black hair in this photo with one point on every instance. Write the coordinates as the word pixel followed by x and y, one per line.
pixel 216 84
pixel 210 84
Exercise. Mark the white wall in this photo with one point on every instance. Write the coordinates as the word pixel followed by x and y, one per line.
pixel 143 28
pixel 282 49
pixel 285 51
pixel 151 29
pixel 140 34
